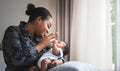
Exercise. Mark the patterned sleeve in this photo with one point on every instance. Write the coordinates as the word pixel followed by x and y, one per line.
pixel 16 53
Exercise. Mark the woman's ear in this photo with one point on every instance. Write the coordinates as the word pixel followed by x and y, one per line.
pixel 39 19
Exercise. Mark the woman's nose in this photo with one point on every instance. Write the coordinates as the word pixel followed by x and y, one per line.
pixel 46 33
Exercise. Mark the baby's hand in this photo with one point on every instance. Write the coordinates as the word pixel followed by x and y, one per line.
pixel 55 35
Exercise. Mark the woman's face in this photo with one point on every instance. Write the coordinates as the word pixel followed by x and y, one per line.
pixel 43 26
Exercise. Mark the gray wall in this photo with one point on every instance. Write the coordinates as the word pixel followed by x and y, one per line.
pixel 13 11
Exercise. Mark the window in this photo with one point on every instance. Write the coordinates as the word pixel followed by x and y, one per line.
pixel 112 7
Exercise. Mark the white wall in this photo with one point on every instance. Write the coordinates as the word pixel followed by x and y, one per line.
pixel 13 11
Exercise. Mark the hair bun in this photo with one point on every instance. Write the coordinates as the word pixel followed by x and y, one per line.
pixel 30 7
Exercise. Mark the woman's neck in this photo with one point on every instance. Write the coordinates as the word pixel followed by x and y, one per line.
pixel 30 29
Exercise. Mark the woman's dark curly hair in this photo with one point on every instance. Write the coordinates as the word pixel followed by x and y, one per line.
pixel 34 12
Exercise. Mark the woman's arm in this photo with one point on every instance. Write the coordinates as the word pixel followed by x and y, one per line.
pixel 46 41
pixel 18 54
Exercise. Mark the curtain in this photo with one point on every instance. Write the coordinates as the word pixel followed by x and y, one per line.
pixel 90 35
pixel 117 35
pixel 63 21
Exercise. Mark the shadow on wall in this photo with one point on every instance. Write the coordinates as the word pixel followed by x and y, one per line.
pixel 0 46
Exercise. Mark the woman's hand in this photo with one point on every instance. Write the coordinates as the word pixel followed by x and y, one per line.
pixel 46 40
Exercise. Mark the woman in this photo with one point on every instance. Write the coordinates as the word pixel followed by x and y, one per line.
pixel 23 45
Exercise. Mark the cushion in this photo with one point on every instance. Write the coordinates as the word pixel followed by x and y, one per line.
pixel 75 66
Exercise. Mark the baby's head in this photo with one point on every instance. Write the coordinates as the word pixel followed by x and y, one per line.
pixel 64 46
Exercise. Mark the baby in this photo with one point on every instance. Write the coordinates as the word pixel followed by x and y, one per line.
pixel 54 56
